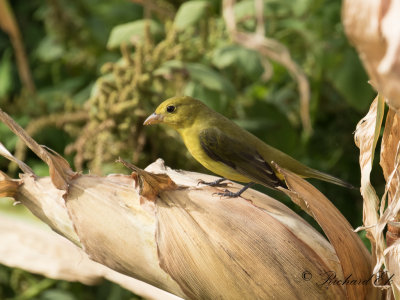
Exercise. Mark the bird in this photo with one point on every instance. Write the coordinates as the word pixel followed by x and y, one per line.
pixel 228 150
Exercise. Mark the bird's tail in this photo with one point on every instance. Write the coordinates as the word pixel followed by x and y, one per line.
pixel 329 178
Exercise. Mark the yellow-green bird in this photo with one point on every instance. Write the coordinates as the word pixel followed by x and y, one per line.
pixel 227 149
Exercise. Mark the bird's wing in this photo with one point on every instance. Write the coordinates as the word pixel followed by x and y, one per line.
pixel 239 156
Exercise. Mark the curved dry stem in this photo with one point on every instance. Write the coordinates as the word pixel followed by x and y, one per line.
pixel 35 126
pixel 274 50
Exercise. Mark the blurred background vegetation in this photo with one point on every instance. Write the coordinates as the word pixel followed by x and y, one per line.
pixel 95 69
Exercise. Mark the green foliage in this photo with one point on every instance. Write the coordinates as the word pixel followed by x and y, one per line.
pixel 124 33
pixel 244 62
pixel 100 67
pixel 190 13
pixel 18 284
pixel 210 79
pixel 5 74
pixel 355 92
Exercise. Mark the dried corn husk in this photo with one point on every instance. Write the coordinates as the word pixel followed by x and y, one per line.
pixel 166 230
pixel 373 27
pixel 31 246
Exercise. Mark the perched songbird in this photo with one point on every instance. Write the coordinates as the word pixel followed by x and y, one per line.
pixel 227 149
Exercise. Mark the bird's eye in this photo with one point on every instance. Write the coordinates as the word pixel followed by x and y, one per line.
pixel 171 108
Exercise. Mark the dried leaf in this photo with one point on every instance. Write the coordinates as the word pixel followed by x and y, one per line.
pixel 354 257
pixel 374 29
pixel 115 230
pixel 392 259
pixel 60 171
pixel 23 166
pixel 389 163
pixel 390 143
pixel 46 202
pixel 268 204
pixel 33 247
pixel 191 244
pixel 150 185
pixel 8 186
pixel 390 140
pixel 366 137
pixel 215 247
pixel 29 245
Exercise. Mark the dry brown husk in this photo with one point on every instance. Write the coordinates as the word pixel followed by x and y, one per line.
pixel 30 245
pixel 187 237
pixel 161 227
pixel 374 29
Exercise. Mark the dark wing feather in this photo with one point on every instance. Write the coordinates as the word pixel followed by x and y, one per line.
pixel 239 156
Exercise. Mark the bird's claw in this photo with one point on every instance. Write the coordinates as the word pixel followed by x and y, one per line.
pixel 216 183
pixel 227 193
pixel 200 181
pixel 225 184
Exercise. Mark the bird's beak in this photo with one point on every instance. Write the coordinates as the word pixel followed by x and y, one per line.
pixel 153 119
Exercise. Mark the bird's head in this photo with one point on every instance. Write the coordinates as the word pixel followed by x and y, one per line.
pixel 177 112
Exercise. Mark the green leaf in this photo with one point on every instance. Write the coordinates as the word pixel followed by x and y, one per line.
pixel 270 124
pixel 7 138
pixel 201 74
pixel 246 60
pixel 58 294
pixel 243 9
pixel 125 32
pixel 168 67
pixel 190 13
pixel 300 7
pixel 350 79
pixel 50 50
pixel 5 74
pixel 213 99
pixel 254 124
pixel 210 79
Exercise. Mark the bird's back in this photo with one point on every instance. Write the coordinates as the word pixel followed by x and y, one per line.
pixel 267 152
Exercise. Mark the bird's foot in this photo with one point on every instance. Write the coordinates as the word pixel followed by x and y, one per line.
pixel 229 194
pixel 216 183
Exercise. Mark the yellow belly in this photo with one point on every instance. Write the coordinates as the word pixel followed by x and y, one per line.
pixel 193 145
